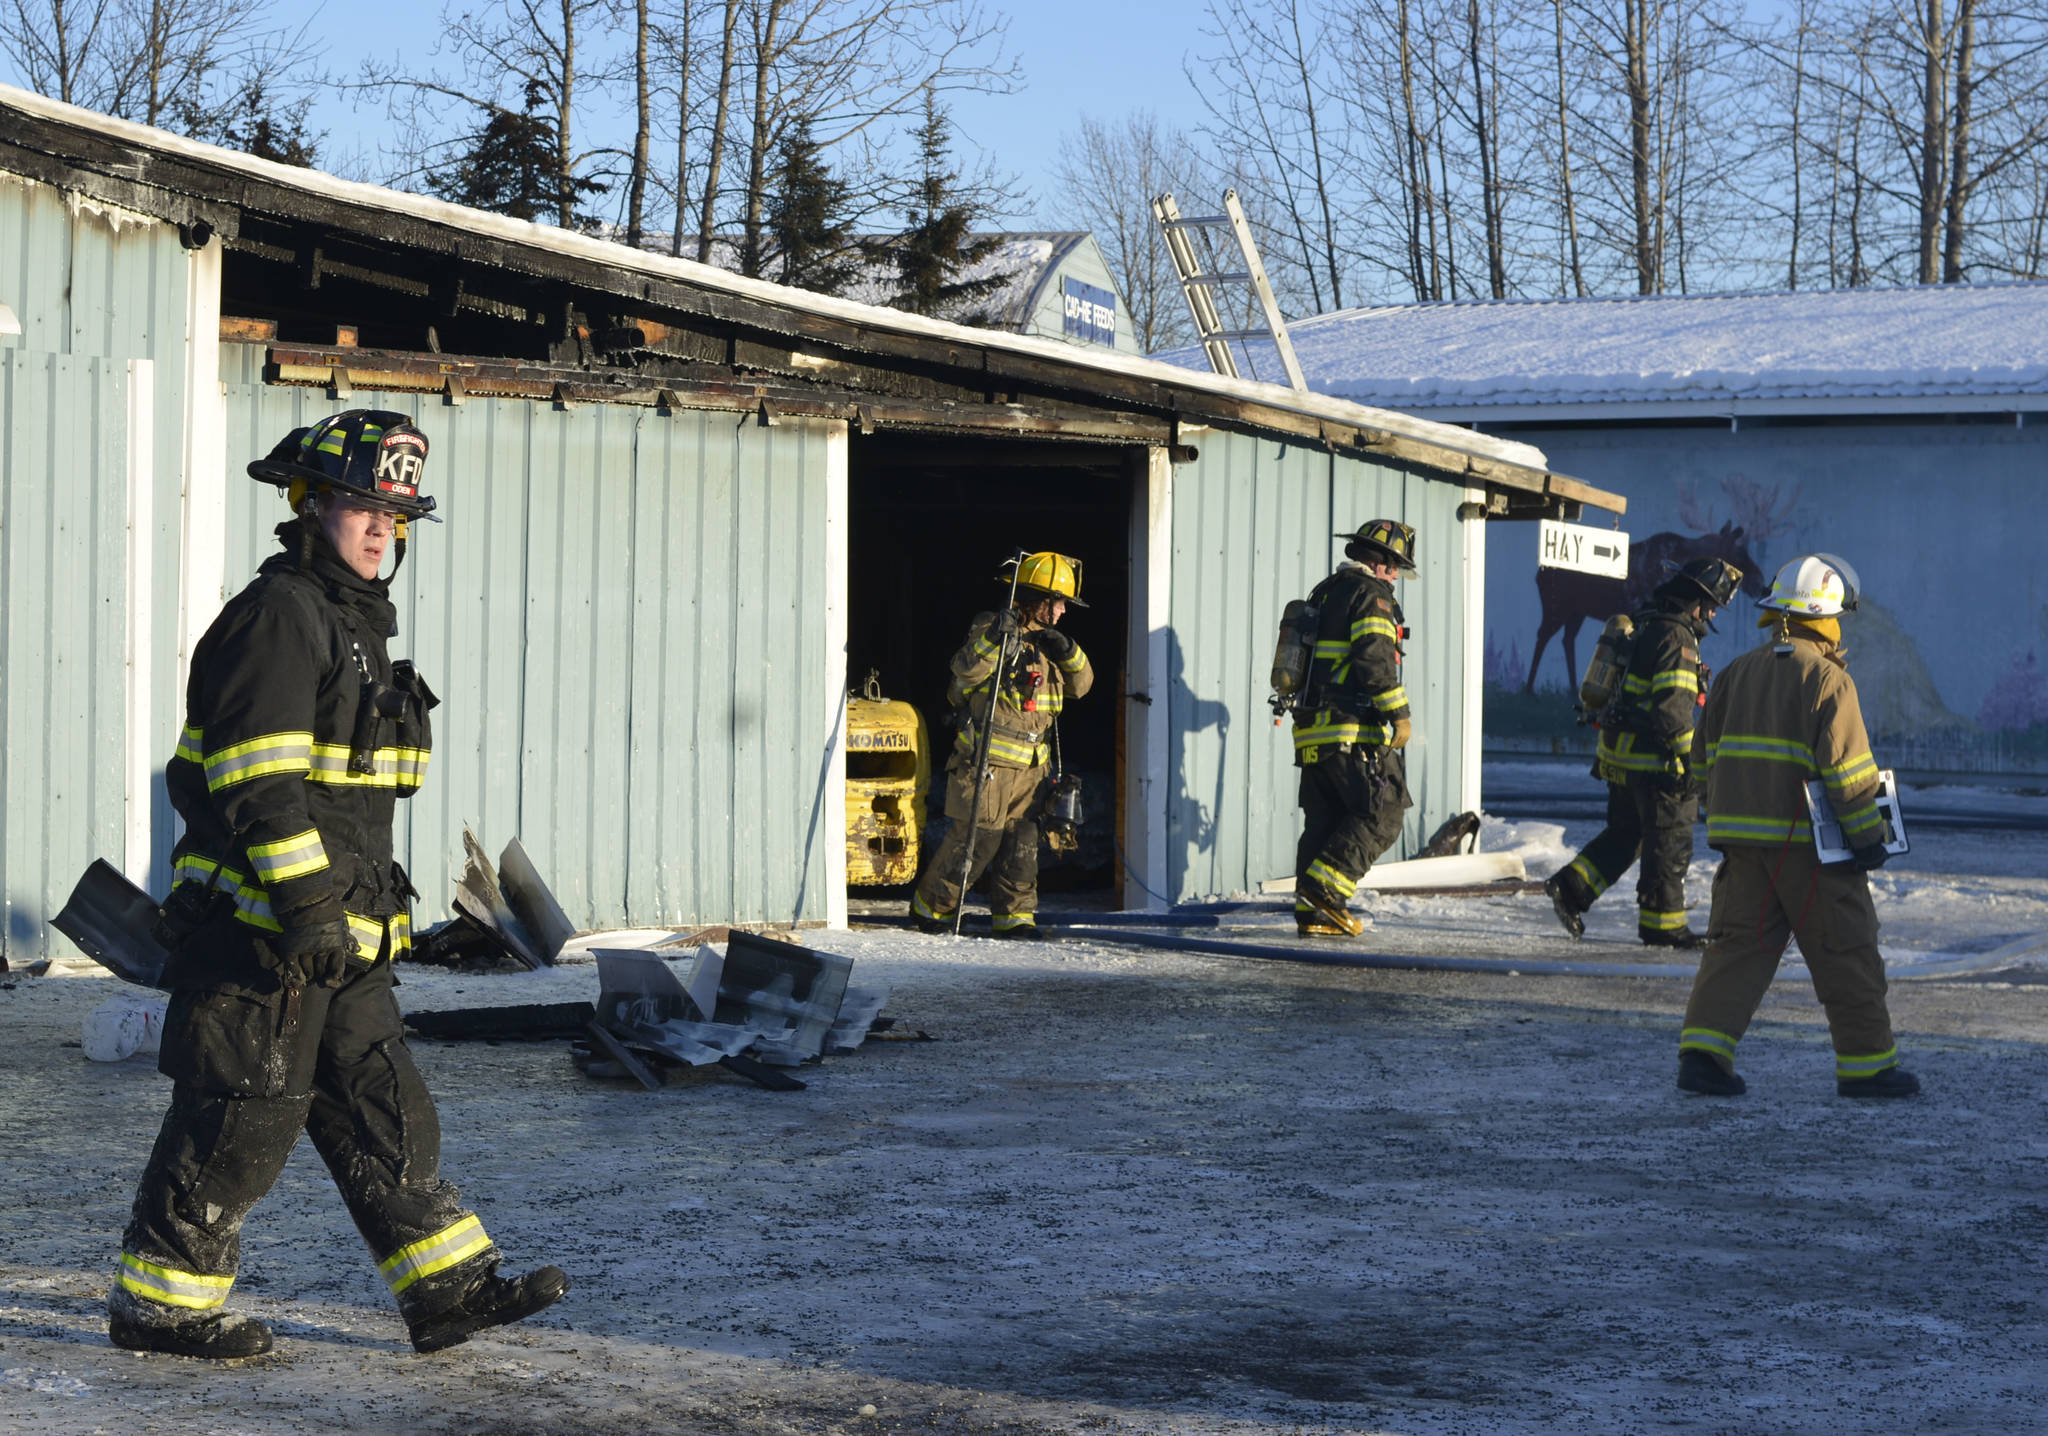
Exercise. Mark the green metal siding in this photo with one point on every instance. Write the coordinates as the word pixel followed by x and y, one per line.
pixel 63 631
pixel 1252 526
pixel 623 615
pixel 93 287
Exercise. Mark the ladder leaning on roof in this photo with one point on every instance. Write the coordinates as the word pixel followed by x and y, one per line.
pixel 1200 288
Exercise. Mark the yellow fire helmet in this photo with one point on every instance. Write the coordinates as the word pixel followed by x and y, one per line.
pixel 1384 541
pixel 1049 575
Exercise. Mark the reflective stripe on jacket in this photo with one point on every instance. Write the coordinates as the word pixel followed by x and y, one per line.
pixel 1778 716
pixel 1024 708
pixel 1354 676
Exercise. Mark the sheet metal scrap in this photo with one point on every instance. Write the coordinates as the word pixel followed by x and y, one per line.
pixel 758 1006
pixel 510 904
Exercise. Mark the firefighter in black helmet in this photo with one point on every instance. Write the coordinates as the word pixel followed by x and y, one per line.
pixel 1644 756
pixel 1349 731
pixel 289 908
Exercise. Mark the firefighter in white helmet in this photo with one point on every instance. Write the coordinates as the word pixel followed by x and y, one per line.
pixel 1782 714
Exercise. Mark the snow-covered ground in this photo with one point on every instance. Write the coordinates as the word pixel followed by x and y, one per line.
pixel 1128 1190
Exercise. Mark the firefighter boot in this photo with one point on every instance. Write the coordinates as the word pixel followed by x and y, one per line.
pixel 1685 937
pixel 1327 909
pixel 1565 899
pixel 137 1325
pixel 1892 1082
pixel 1310 923
pixel 1702 1076
pixel 491 1300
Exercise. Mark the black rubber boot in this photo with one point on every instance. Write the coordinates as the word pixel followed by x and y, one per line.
pixel 493 1301
pixel 1684 938
pixel 933 925
pixel 1568 912
pixel 1702 1076
pixel 1892 1082
pixel 137 1325
pixel 1027 932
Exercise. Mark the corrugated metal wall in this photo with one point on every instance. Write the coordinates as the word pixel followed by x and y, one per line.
pixel 93 287
pixel 623 615
pixel 1252 526
pixel 63 637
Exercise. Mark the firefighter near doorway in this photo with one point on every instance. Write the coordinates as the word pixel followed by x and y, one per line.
pixel 1011 680
pixel 287 914
pixel 1644 685
pixel 1351 721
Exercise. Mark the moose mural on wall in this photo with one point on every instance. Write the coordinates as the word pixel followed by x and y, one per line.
pixel 1570 598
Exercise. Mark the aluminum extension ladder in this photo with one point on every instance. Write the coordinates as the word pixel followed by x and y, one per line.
pixel 1200 287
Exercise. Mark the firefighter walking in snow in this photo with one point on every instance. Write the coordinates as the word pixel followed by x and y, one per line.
pixel 1785 713
pixel 1645 755
pixel 1020 706
pixel 287 914
pixel 1349 729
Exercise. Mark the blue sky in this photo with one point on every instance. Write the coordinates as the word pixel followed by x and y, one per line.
pixel 1078 56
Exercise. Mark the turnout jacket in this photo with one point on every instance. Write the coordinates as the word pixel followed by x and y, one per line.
pixel 1354 687
pixel 1027 699
pixel 1649 726
pixel 276 819
pixel 1781 714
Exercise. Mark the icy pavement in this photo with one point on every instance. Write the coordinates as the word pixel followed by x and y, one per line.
pixel 1130 1191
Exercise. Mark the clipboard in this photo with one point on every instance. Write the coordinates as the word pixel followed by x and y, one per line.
pixel 1828 841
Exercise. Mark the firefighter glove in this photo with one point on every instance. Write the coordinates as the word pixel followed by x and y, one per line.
pixel 320 955
pixel 1055 645
pixel 1005 627
pixel 1402 730
pixel 1869 859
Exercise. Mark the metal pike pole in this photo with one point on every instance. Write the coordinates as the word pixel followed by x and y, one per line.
pixel 988 723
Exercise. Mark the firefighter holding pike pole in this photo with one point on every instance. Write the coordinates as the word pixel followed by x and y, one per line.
pixel 1011 680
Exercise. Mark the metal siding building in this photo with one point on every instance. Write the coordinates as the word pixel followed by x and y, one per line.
pixel 637 612
pixel 93 393
pixel 1253 526
pixel 621 603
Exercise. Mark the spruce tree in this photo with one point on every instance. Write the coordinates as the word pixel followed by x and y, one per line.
pixel 814 242
pixel 511 166
pixel 939 242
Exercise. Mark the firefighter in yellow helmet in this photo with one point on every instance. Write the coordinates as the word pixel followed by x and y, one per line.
pixel 1350 727
pixel 1784 714
pixel 1020 707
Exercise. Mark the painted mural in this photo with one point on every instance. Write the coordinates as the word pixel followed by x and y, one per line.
pixel 1946 525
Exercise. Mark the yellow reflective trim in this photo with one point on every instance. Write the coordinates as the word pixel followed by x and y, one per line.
pixel 1372 626
pixel 289 858
pixel 191 745
pixel 1660 921
pixel 170 1286
pixel 1706 1039
pixel 1850 1066
pixel 1740 827
pixel 448 1247
pixel 1389 699
pixel 272 753
pixel 1005 921
pixel 1341 884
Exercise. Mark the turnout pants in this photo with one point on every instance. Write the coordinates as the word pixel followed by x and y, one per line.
pixel 1649 817
pixel 1349 817
pixel 1005 846
pixel 254 1064
pixel 1762 898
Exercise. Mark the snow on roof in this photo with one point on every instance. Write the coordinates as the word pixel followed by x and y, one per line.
pixel 567 243
pixel 1929 343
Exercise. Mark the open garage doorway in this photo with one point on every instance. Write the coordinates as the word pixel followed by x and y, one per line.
pixel 930 520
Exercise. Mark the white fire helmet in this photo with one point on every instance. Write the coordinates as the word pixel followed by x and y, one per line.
pixel 1816 585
